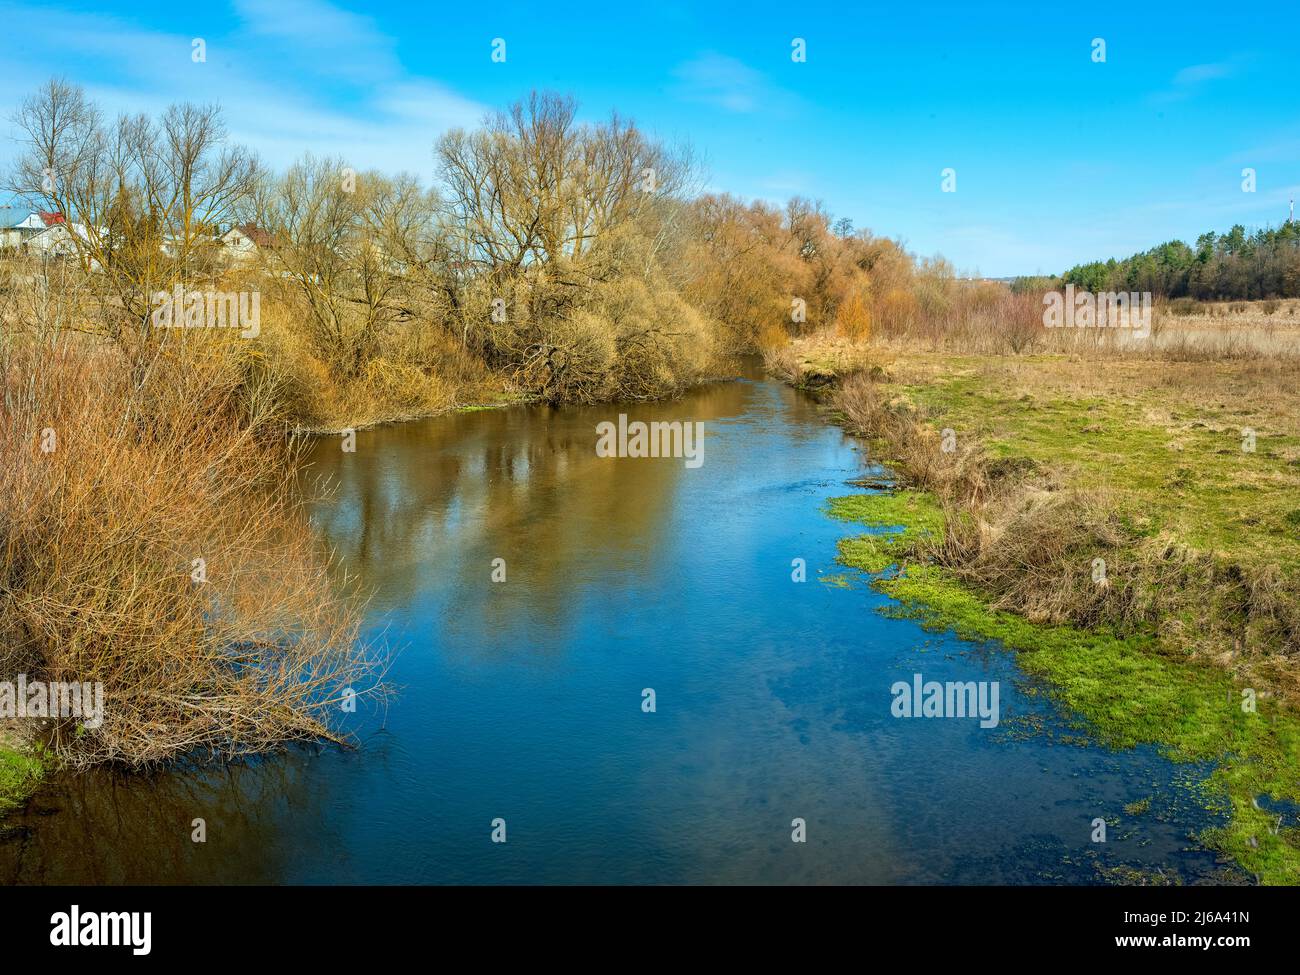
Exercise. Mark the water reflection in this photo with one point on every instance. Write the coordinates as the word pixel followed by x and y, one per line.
pixel 522 484
pixel 109 827
pixel 522 699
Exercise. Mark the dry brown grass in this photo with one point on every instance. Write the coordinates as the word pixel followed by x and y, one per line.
pixel 954 469
pixel 98 541
pixel 1027 538
pixel 416 371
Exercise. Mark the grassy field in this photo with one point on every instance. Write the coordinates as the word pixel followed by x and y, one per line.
pixel 1145 458
pixel 1167 438
pixel 1168 442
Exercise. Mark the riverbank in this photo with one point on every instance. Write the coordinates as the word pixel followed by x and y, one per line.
pixel 381 417
pixel 1096 518
pixel 156 544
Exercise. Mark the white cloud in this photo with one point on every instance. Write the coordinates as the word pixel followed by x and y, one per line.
pixel 326 38
pixel 1193 79
pixel 277 76
pixel 727 83
pixel 1198 73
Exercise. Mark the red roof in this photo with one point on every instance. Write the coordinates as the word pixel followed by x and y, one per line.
pixel 256 234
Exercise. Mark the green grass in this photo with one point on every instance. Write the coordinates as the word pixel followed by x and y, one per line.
pixel 1139 808
pixel 1126 691
pixel 19 775
pixel 1174 466
pixel 908 515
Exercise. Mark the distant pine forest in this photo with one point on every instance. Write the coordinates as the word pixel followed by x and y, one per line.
pixel 1232 266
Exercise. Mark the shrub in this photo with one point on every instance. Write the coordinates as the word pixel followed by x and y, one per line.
pixel 99 537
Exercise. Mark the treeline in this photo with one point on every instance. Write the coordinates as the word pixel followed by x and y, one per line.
pixel 1231 266
pixel 563 260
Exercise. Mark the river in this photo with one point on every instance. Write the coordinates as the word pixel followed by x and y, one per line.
pixel 522 700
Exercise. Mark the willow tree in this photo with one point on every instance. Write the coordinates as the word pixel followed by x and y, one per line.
pixel 552 223
pixel 351 247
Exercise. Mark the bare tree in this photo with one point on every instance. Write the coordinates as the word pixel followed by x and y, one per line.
pixel 351 246
pixel 140 199
pixel 541 210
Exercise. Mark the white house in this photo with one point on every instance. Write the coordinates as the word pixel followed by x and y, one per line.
pixel 56 241
pixel 18 225
pixel 240 245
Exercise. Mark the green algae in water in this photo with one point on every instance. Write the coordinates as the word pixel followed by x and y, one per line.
pixel 1125 689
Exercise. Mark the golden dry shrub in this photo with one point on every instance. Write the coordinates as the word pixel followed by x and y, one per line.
pixel 634 338
pixel 895 311
pixel 771 337
pixel 664 344
pixel 853 317
pixel 419 367
pixel 570 358
pixel 153 540
pixel 744 270
pixel 306 388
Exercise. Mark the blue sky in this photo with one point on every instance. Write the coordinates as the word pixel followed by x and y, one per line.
pixel 1058 159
